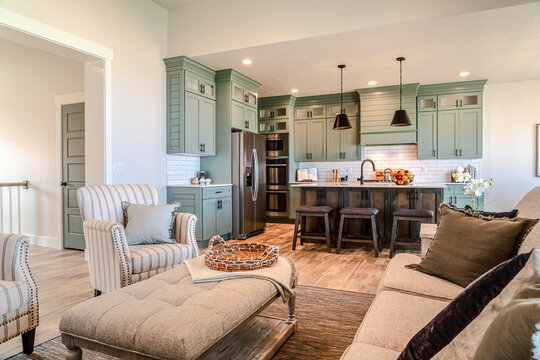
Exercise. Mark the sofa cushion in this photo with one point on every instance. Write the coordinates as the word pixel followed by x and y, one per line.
pixel 462 310
pixel 14 299
pixel 467 245
pixel 361 351
pixel 145 258
pixel 528 208
pixel 162 316
pixel 398 277
pixel 393 318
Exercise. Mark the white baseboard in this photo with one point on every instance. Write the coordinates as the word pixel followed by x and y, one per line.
pixel 46 241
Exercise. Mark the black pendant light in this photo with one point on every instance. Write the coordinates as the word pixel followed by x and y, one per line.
pixel 400 116
pixel 342 121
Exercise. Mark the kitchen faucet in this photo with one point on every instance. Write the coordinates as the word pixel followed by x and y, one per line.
pixel 362 169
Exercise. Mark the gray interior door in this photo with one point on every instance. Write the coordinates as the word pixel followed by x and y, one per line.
pixel 72 173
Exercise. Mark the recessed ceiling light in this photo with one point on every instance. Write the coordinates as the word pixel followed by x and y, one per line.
pixel 294 91
pixel 371 83
pixel 464 73
pixel 247 61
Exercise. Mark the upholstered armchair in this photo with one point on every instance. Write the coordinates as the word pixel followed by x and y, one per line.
pixel 113 264
pixel 19 313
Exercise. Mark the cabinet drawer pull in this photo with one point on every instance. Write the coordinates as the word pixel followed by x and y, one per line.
pixel 460 152
pixel 219 192
pixel 220 204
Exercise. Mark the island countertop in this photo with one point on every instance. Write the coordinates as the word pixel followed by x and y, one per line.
pixel 354 184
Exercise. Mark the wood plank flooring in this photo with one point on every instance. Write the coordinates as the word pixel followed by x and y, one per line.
pixel 63 280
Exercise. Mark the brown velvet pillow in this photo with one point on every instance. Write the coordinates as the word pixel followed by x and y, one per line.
pixel 502 214
pixel 467 245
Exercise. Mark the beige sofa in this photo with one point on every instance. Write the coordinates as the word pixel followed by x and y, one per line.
pixel 407 299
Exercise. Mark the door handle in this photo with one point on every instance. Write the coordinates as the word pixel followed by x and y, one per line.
pixel 204 147
pixel 201 88
pixel 220 204
pixel 457 101
pixel 344 155
pixel 63 183
pixel 456 152
pixel 310 156
pixel 460 152
pixel 200 147
pixel 460 103
pixel 433 151
pixel 434 104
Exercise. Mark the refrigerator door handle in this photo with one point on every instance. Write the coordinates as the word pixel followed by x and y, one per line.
pixel 255 167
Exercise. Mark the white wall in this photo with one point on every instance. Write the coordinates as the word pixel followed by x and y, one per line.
pixel 28 139
pixel 136 31
pixel 210 26
pixel 511 111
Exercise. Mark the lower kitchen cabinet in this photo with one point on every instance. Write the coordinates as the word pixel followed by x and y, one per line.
pixel 211 204
pixel 455 194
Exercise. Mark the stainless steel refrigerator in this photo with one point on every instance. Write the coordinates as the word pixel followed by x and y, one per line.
pixel 249 184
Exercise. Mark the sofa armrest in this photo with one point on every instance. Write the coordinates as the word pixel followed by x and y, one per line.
pixel 185 231
pixel 108 255
pixel 427 234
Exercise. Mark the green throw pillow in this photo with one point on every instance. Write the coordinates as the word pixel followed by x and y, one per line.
pixel 515 332
pixel 465 246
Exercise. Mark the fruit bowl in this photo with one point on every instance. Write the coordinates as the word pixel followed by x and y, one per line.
pixel 402 177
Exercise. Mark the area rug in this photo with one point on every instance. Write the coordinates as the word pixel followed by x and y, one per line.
pixel 327 322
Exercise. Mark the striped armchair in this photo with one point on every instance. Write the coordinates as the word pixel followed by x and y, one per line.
pixel 113 264
pixel 19 313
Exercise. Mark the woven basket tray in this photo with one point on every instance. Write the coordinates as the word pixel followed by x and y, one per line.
pixel 239 256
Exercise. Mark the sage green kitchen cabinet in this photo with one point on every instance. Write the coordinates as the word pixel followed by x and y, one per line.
pixel 455 194
pixel 274 126
pixel 310 112
pixel 244 117
pixel 211 204
pixel 200 125
pixel 427 103
pixel 244 95
pixel 274 112
pixel 190 107
pixel 310 140
pixel 342 144
pixel 460 101
pixel 427 135
pixel 460 134
pixel 351 109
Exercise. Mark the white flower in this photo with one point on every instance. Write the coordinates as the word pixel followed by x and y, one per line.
pixel 460 175
pixel 477 187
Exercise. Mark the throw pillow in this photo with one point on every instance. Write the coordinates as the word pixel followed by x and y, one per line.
pixel 465 344
pixel 150 224
pixel 515 332
pixel 466 246
pixel 489 214
pixel 462 310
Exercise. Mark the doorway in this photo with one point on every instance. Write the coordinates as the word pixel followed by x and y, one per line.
pixel 73 173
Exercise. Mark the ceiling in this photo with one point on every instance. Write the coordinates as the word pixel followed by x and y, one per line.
pixel 172 4
pixel 15 54
pixel 498 45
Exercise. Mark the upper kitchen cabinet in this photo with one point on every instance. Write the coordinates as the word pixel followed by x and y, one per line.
pixel 276 113
pixel 342 144
pixel 450 120
pixel 237 100
pixel 376 111
pixel 310 112
pixel 351 109
pixel 310 140
pixel 191 107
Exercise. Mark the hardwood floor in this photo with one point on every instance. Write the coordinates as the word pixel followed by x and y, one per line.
pixel 63 280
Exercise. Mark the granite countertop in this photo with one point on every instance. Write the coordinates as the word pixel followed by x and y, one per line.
pixel 368 185
pixel 198 186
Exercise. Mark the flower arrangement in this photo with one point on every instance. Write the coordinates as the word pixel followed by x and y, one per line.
pixel 473 187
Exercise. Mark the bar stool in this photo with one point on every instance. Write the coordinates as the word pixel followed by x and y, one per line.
pixel 314 211
pixel 420 215
pixel 359 213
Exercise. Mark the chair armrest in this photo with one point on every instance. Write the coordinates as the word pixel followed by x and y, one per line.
pixel 14 267
pixel 185 231
pixel 108 255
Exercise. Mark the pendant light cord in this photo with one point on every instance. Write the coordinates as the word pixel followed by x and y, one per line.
pixel 341 94
pixel 400 82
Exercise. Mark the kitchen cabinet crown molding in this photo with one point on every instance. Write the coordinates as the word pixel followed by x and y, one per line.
pixel 237 77
pixel 326 99
pixel 181 62
pixel 452 88
pixel 391 91
pixel 277 100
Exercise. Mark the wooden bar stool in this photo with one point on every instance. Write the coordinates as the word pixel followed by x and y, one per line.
pixel 315 211
pixel 420 215
pixel 359 213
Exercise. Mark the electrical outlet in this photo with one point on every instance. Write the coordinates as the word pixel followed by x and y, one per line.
pixel 118 167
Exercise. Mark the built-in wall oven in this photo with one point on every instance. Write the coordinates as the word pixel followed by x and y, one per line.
pixel 277 187
pixel 277 145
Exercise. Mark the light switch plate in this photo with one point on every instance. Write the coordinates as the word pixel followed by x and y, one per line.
pixel 119 167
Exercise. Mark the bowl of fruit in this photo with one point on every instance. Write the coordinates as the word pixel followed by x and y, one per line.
pixel 402 177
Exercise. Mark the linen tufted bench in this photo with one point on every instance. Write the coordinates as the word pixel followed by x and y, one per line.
pixel 168 317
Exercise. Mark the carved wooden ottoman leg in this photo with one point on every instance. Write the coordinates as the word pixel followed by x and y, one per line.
pixel 73 352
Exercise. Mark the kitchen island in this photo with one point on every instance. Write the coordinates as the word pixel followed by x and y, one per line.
pixel 386 197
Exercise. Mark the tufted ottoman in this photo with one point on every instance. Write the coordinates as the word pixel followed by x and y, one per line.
pixel 168 317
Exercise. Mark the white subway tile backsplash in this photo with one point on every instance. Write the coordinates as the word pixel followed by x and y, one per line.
pixel 181 168
pixel 394 156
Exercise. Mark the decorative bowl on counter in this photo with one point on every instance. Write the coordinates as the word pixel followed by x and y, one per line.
pixel 402 177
